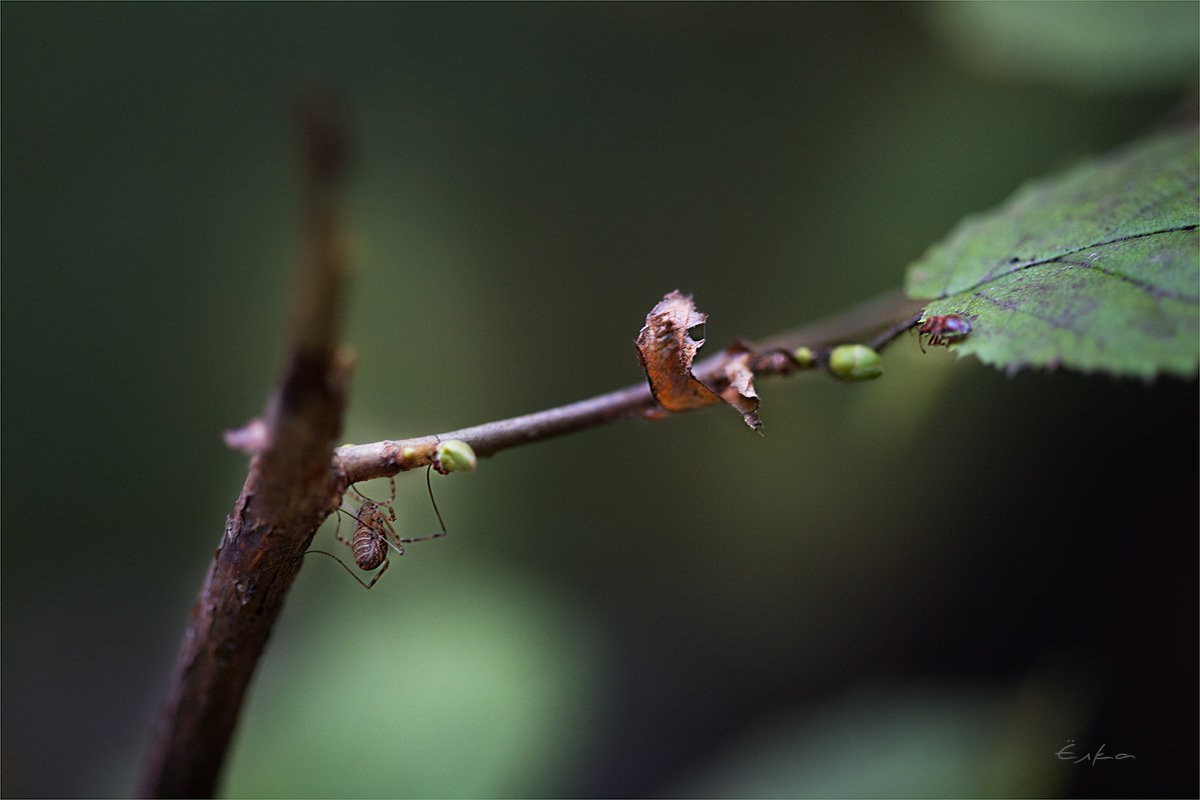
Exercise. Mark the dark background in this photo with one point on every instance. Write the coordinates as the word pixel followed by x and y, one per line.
pixel 924 586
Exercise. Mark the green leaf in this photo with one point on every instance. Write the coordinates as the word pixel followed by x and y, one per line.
pixel 1097 269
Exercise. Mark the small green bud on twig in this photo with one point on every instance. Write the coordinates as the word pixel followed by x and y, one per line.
pixel 454 456
pixel 855 362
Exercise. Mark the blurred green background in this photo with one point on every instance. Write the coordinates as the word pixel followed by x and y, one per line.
pixel 924 586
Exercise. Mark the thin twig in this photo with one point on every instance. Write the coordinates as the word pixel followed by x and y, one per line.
pixel 383 459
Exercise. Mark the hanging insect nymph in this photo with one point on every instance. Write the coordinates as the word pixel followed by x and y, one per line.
pixel 374 533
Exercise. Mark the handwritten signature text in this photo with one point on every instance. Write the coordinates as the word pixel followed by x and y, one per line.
pixel 1067 753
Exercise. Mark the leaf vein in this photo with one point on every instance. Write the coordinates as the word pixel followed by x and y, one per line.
pixel 1145 286
pixel 991 277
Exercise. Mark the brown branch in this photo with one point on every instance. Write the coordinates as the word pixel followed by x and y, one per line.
pixel 289 490
pixel 886 317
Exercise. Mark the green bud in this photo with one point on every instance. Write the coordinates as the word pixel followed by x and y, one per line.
pixel 855 362
pixel 454 456
pixel 804 357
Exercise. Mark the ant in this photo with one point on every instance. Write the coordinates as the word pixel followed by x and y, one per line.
pixel 943 330
pixel 374 534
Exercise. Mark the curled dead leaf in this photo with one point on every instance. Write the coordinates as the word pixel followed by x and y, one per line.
pixel 666 351
pixel 740 393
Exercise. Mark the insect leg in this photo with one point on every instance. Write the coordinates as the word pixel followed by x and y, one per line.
pixel 391 537
pixel 337 531
pixel 378 503
pixel 920 338
pixel 410 539
pixel 395 540
pixel 382 568
pixel 442 532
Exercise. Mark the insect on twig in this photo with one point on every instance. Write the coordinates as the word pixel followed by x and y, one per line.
pixel 943 330
pixel 374 533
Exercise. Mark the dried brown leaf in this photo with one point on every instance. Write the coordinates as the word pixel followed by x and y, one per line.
pixel 740 393
pixel 667 350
